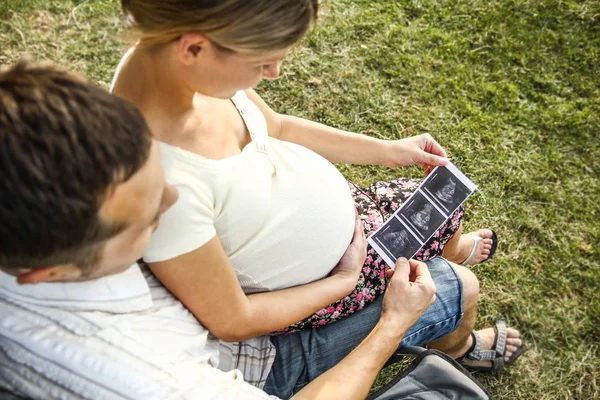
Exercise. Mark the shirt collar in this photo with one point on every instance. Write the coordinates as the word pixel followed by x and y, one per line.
pixel 124 292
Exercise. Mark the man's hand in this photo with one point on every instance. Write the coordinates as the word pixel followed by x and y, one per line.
pixel 410 292
pixel 352 261
pixel 422 149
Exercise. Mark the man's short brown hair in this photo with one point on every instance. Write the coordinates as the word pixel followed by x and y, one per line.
pixel 64 145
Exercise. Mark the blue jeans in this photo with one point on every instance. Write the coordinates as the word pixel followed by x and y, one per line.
pixel 303 356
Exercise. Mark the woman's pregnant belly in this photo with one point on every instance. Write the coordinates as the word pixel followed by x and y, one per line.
pixel 309 225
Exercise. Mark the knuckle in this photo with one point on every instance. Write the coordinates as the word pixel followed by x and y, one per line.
pixel 431 289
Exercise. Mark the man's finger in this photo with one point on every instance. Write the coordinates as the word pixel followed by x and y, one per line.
pixel 419 268
pixel 402 269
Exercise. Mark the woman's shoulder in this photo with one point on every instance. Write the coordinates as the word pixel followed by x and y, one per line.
pixel 122 62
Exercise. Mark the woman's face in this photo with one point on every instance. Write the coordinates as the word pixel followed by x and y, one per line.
pixel 221 74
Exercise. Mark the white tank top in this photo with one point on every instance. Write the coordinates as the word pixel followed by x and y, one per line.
pixel 284 214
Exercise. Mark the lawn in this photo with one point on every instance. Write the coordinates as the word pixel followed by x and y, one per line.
pixel 512 90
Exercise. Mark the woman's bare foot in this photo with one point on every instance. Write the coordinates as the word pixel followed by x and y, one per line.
pixel 488 335
pixel 466 243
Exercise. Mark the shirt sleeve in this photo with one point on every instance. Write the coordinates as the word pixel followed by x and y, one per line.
pixel 215 384
pixel 69 366
pixel 186 226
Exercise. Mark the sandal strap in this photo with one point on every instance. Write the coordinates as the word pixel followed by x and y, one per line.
pixel 500 344
pixel 496 355
pixel 476 240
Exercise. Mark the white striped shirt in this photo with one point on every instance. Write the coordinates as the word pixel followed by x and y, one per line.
pixel 122 336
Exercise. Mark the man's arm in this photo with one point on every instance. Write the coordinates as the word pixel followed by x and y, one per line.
pixel 410 293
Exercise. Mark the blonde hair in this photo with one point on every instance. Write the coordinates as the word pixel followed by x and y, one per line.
pixel 238 25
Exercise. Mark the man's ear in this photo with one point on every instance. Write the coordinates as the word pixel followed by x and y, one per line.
pixel 59 273
pixel 191 46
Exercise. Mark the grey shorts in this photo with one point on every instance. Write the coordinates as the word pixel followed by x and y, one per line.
pixel 303 356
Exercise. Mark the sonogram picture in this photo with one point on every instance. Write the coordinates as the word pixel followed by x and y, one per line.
pixel 429 207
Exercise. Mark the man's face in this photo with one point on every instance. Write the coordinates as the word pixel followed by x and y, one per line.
pixel 137 204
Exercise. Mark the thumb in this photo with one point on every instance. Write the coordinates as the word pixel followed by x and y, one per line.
pixel 402 268
pixel 432 159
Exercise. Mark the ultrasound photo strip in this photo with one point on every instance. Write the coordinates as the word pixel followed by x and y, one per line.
pixel 429 207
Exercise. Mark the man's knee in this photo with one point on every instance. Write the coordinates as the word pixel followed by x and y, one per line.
pixel 470 287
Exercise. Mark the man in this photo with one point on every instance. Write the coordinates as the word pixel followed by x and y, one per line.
pixel 81 191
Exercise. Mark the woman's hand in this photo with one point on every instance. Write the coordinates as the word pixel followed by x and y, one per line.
pixel 422 149
pixel 351 263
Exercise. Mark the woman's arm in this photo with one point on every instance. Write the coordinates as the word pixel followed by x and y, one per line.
pixel 205 282
pixel 340 146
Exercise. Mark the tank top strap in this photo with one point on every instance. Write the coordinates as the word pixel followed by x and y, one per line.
pixel 255 122
pixel 252 116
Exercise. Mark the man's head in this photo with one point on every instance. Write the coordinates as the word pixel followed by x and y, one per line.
pixel 81 185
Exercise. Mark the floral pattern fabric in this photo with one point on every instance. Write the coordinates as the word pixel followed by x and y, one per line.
pixel 375 204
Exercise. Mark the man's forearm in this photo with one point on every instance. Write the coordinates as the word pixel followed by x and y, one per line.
pixel 353 377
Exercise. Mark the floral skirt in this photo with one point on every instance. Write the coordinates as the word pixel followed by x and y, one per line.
pixel 375 204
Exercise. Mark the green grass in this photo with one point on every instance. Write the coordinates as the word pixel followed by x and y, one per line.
pixel 512 90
